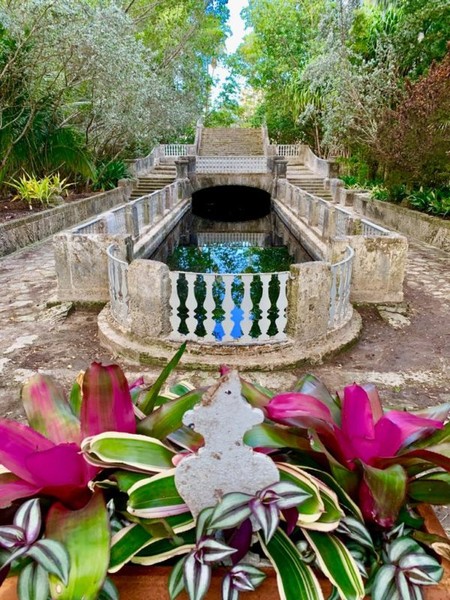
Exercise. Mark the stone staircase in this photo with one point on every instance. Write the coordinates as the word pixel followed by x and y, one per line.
pixel 161 176
pixel 231 141
pixel 307 180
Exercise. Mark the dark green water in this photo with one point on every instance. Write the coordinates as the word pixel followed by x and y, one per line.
pixel 229 258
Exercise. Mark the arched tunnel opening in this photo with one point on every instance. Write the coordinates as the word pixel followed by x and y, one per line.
pixel 231 203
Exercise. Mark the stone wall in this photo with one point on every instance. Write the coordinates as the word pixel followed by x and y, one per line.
pixel 39 226
pixel 432 230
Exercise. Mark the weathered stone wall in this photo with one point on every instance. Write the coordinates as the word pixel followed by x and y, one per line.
pixel 426 228
pixel 378 267
pixel 81 263
pixel 39 226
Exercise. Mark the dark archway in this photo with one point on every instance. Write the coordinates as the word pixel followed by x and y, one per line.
pixel 231 203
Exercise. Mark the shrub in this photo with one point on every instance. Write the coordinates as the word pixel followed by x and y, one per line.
pixel 109 173
pixel 46 191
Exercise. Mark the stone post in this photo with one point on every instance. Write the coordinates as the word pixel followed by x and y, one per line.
pixel 280 167
pixel 313 216
pixel 182 166
pixel 308 300
pixel 149 292
pixel 191 165
pixel 329 223
pixel 132 222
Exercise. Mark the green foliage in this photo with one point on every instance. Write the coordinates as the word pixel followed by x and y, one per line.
pixel 434 202
pixel 108 174
pixel 46 191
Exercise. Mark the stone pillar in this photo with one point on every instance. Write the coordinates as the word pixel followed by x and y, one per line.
pixel 182 165
pixel 149 291
pixel 81 265
pixel 313 217
pixel 132 221
pixel 329 223
pixel 280 167
pixel 308 300
pixel 191 165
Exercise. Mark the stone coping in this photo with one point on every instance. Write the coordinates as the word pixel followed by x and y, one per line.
pixel 414 224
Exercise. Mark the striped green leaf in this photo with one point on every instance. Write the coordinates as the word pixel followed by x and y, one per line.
pixel 126 543
pixel 109 591
pixel 33 583
pixel 337 564
pixel 163 550
pixel 151 396
pixel 312 507
pixel 433 488
pixel 135 452
pixel 169 417
pixel 197 577
pixel 331 517
pixel 295 579
pixel 130 540
pixel 272 436
pixel 421 568
pixel 344 499
pixel 156 497
pixel 85 534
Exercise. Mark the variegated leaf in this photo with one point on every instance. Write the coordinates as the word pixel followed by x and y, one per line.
pixel 176 582
pixel 312 507
pixel 295 579
pixel 231 511
pixel 28 518
pixel 130 451
pixel 197 577
pixel 53 557
pixel 337 564
pixel 33 583
pixel 156 497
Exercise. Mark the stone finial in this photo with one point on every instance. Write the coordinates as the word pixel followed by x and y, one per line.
pixel 225 464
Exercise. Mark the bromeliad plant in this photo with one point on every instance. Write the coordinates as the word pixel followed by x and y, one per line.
pixel 100 469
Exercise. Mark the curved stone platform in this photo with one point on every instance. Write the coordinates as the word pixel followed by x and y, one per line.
pixel 257 357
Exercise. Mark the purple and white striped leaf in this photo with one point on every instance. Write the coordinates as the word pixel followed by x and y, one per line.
pixel 53 557
pixel 28 518
pixel 231 511
pixel 11 536
pixel 197 577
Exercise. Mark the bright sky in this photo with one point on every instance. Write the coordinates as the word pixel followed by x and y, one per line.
pixel 237 33
pixel 236 24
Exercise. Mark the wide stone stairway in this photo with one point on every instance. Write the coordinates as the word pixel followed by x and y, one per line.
pixel 307 180
pixel 160 176
pixel 230 141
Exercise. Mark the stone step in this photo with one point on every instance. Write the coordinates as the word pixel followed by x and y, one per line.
pixel 221 141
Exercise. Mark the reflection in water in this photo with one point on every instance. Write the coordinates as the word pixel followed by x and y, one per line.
pixel 230 258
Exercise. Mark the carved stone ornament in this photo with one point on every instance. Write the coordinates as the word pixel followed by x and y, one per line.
pixel 225 464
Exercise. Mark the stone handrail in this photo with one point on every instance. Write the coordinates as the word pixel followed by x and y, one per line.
pixel 231 164
pixel 341 275
pixel 118 284
pixel 321 166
